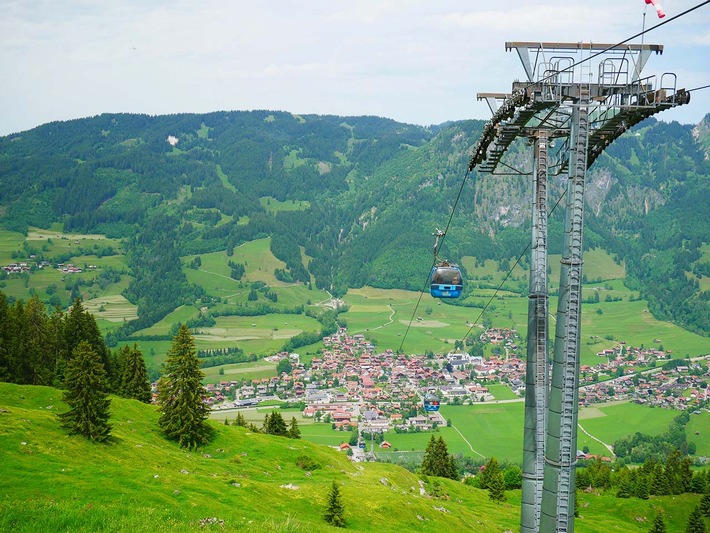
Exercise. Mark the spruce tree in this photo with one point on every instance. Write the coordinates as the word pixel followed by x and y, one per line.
pixel 240 420
pixel 496 487
pixel 37 363
pixel 180 394
pixel 625 489
pixel 87 396
pixel 659 525
pixel 697 483
pixel 643 484
pixel 134 382
pixel 80 325
pixel 293 431
pixel 437 461
pixel 705 502
pixel 492 479
pixel 696 522
pixel 4 339
pixel 275 424
pixel 334 509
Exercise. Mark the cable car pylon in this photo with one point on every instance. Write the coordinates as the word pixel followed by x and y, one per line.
pixel 586 107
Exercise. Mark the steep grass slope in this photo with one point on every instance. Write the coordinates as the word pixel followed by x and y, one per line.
pixel 141 482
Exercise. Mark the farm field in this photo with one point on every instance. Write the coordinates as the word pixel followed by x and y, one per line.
pixel 609 422
pixel 182 314
pixel 258 334
pixel 112 308
pixel 255 370
pixel 502 392
pixel 384 316
pixel 496 429
pixel 698 431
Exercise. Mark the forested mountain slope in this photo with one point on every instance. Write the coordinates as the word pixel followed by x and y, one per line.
pixel 368 192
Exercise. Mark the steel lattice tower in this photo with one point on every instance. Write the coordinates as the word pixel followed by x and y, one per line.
pixel 583 106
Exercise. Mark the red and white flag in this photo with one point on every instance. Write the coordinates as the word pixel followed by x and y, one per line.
pixel 658 7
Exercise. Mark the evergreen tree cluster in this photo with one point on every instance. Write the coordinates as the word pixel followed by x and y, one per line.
pixel 437 461
pixel 674 476
pixel 274 424
pixel 36 348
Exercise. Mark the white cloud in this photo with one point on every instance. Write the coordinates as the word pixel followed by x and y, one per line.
pixel 412 60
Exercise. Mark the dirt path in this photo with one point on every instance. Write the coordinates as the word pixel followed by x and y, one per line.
pixel 607 446
pixel 390 318
pixel 466 441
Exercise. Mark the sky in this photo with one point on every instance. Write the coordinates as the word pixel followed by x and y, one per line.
pixel 419 62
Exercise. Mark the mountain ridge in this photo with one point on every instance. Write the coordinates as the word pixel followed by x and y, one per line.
pixel 375 189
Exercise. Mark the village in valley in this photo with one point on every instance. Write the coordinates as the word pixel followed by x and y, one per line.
pixel 351 384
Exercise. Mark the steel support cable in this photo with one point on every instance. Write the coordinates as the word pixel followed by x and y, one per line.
pixel 441 242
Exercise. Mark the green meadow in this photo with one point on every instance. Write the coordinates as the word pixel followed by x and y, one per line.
pixel 492 429
pixel 257 370
pixel 609 422
pixel 272 205
pixel 252 482
pixel 698 431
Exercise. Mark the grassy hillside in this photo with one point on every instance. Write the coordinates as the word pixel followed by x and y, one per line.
pixel 141 482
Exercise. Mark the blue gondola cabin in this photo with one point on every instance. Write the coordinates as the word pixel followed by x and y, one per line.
pixel 431 402
pixel 446 281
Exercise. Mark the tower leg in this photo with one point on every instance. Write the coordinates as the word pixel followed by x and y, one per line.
pixel 561 445
pixel 536 382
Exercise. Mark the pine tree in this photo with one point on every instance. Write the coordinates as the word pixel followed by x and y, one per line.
pixel 5 374
pixel 643 489
pixel 625 486
pixel 705 502
pixel 180 394
pixel 134 382
pixel 437 461
pixel 696 522
pixel 87 396
pixel 275 424
pixel 490 469
pixel 494 481
pixel 37 364
pixel 659 525
pixel 674 472
pixel 334 510
pixel 293 431
pixel 660 485
pixel 697 483
pixel 240 420
pixel 79 326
